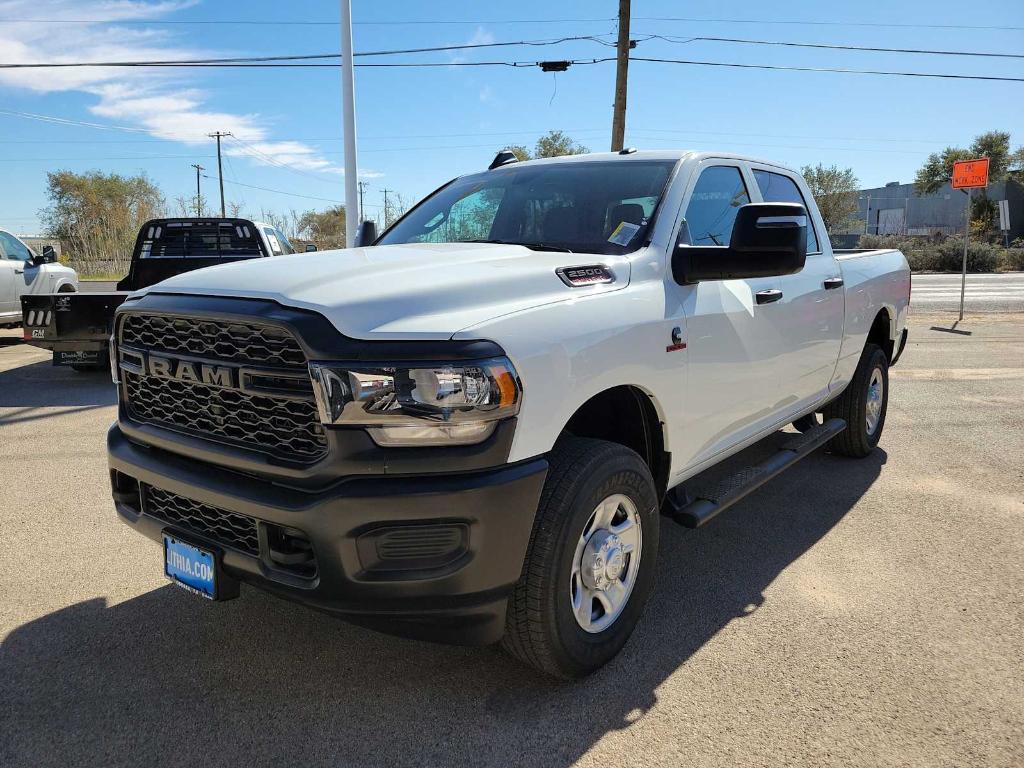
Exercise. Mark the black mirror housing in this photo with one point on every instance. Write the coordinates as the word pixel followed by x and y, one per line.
pixel 49 255
pixel 768 239
pixel 367 234
pixel 310 247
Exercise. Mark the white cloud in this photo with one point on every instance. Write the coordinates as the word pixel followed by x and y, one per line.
pixel 164 102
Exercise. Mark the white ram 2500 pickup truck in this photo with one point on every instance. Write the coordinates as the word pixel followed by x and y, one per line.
pixel 467 432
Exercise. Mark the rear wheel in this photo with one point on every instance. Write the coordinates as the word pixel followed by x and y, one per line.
pixel 590 564
pixel 862 405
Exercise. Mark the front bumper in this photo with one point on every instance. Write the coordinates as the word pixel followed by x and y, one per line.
pixel 457 598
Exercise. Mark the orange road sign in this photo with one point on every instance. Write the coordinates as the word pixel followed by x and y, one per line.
pixel 969 174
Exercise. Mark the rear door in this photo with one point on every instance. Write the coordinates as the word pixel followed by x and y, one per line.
pixel 732 342
pixel 813 300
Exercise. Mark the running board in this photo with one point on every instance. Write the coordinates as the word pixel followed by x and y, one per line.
pixel 702 504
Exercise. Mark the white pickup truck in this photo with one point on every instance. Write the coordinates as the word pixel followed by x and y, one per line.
pixel 469 431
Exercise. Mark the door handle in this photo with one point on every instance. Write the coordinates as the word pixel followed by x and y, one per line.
pixel 767 297
pixel 833 282
pixel 19 271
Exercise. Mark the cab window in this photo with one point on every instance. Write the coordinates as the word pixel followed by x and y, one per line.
pixel 776 188
pixel 12 248
pixel 713 206
pixel 275 244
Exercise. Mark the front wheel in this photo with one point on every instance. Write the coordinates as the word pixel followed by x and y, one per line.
pixel 862 405
pixel 590 563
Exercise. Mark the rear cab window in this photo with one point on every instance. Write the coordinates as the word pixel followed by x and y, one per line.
pixel 199 240
pixel 779 188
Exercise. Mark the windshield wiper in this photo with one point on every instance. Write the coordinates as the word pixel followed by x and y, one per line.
pixel 531 246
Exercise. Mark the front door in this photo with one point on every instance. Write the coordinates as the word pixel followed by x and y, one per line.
pixel 733 346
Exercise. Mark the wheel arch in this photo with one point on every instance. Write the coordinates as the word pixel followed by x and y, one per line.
pixel 629 415
pixel 883 332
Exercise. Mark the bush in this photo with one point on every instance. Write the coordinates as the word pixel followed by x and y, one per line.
pixel 926 255
pixel 1011 259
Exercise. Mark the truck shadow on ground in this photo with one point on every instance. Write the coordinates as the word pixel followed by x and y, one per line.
pixel 42 385
pixel 164 678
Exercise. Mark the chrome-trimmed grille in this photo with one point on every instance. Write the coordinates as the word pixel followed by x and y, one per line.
pixel 266 404
pixel 229 529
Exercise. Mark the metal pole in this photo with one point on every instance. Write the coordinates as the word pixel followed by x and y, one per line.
pixel 963 273
pixel 621 73
pixel 199 193
pixel 348 110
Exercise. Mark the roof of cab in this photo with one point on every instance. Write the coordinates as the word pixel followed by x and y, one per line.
pixel 643 154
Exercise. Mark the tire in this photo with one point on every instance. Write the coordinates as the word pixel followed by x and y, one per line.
pixel 858 403
pixel 541 627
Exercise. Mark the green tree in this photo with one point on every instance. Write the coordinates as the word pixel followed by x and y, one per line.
pixel 835 192
pixel 995 145
pixel 97 216
pixel 325 228
pixel 551 144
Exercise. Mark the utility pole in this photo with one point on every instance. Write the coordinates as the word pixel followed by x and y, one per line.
pixel 621 73
pixel 348 111
pixel 220 171
pixel 199 194
pixel 362 211
pixel 387 222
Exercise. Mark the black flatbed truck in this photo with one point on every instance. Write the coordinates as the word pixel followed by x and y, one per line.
pixel 76 326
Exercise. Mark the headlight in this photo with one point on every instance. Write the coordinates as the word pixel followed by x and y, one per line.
pixel 444 404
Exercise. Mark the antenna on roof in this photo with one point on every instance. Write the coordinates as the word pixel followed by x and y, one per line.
pixel 504 157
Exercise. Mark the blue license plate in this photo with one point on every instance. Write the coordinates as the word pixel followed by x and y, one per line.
pixel 190 567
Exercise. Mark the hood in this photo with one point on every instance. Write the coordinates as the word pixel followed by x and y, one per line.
pixel 412 291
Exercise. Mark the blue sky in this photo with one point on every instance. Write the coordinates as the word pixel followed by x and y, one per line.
pixel 419 127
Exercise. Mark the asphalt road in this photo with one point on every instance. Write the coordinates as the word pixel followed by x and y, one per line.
pixel 1001 292
pixel 850 613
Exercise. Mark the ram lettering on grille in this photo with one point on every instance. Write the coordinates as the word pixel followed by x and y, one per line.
pixel 204 397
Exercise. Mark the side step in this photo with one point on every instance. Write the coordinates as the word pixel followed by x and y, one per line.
pixel 701 504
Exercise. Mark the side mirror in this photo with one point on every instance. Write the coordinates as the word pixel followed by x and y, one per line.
pixel 367 234
pixel 49 255
pixel 768 239
pixel 310 247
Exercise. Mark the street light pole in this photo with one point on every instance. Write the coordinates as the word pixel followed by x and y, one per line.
pixel 348 111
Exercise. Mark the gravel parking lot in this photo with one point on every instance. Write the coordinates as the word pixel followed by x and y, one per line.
pixel 850 613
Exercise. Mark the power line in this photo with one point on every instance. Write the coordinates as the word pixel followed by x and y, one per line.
pixel 283 192
pixel 791 22
pixel 835 47
pixel 254 152
pixel 284 62
pixel 442 22
pixel 299 57
pixel 291 23
pixel 828 69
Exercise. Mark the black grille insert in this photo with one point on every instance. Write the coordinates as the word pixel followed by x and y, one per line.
pixel 229 529
pixel 285 424
pixel 280 426
pixel 245 343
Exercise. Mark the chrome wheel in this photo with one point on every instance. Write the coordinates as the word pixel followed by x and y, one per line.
pixel 606 563
pixel 876 395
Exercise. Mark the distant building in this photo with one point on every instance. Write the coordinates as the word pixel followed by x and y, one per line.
pixel 896 209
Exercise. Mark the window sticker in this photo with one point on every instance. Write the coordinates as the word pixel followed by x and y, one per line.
pixel 624 233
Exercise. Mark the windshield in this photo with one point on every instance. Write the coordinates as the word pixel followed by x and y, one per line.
pixel 595 207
